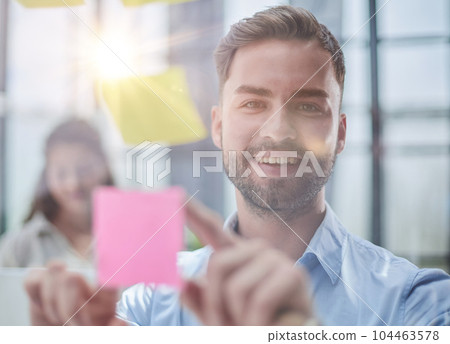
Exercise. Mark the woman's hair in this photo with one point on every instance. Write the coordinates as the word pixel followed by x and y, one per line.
pixel 73 131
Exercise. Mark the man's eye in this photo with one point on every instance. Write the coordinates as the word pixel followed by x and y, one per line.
pixel 308 107
pixel 253 105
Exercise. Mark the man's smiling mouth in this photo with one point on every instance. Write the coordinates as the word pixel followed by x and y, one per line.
pixel 277 160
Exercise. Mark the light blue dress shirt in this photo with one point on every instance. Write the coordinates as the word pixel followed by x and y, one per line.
pixel 353 283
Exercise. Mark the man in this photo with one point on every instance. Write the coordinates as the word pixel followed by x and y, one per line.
pixel 281 78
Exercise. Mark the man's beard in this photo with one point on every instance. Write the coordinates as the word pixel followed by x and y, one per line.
pixel 286 196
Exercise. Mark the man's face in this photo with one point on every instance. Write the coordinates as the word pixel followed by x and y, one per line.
pixel 257 114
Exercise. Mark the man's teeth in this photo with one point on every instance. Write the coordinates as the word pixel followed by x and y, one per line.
pixel 272 160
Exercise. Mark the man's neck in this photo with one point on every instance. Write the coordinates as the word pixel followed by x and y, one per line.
pixel 290 236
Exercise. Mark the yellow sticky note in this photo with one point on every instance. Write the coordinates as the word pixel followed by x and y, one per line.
pixel 143 2
pixel 154 108
pixel 50 3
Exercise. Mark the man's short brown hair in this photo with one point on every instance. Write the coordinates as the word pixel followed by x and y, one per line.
pixel 280 22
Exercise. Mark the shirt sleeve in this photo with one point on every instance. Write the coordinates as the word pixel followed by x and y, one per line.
pixel 147 305
pixel 428 299
pixel 135 305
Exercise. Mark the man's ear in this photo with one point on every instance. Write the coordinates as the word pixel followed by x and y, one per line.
pixel 216 125
pixel 342 133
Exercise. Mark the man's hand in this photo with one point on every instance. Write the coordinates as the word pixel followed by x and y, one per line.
pixel 59 297
pixel 247 282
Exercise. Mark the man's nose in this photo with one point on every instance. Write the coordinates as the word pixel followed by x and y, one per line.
pixel 279 127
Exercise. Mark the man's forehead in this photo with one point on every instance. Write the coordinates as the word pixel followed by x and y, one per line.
pixel 260 67
pixel 265 58
pixel 276 47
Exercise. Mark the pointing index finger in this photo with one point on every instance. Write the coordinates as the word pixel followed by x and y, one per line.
pixel 207 225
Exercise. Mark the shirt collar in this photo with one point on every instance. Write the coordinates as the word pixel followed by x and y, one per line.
pixel 327 246
pixel 231 223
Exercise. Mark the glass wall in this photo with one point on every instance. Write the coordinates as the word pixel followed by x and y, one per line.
pixel 414 50
pixel 54 60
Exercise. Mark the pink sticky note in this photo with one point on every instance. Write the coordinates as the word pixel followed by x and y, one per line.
pixel 138 235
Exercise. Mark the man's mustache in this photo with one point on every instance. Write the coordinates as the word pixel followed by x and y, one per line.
pixel 270 147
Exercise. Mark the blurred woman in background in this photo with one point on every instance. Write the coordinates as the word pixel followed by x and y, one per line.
pixel 59 223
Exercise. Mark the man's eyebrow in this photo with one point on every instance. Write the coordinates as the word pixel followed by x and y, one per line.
pixel 310 92
pixel 264 92
pixel 259 91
